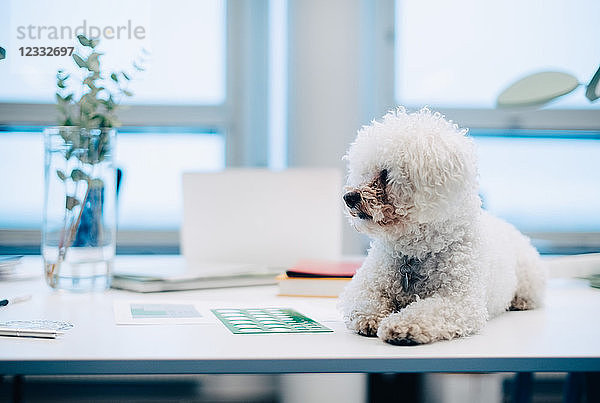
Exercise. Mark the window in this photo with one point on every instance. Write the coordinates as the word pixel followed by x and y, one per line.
pixel 458 56
pixel 462 54
pixel 152 162
pixel 182 41
pixel 541 181
pixel 202 103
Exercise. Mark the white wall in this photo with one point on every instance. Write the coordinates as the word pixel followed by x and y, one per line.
pixel 324 92
pixel 324 113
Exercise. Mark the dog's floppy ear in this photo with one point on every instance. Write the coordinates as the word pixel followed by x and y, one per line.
pixel 446 176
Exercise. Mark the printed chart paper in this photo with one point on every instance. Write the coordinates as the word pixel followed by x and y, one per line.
pixel 156 312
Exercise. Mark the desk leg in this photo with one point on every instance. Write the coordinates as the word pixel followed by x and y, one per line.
pixel 592 381
pixel 523 387
pixel 388 388
pixel 574 385
pixel 17 388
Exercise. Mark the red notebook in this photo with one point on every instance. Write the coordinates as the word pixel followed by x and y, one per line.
pixel 316 268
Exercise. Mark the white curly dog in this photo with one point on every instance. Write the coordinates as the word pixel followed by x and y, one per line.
pixel 439 266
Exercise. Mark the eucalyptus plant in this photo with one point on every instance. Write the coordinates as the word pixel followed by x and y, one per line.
pixel 85 123
pixel 97 106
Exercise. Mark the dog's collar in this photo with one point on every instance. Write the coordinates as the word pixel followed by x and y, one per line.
pixel 409 270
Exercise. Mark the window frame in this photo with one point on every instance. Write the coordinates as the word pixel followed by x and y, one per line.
pixel 490 118
pixel 509 121
pixel 242 119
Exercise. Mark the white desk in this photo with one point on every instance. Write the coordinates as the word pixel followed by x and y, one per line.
pixel 564 336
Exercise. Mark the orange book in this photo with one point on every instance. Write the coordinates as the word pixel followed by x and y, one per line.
pixel 311 286
pixel 319 269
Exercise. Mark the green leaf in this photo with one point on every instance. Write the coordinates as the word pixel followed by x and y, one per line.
pixel 109 103
pixel 61 175
pixel 79 61
pixel 71 202
pixel 96 184
pixel 94 43
pixel 2 53
pixel 93 63
pixel 137 67
pixel 84 41
pixel 114 77
pixel 61 84
pixel 127 93
pixel 125 75
pixel 61 76
pixel 537 89
pixel 79 175
pixel 65 134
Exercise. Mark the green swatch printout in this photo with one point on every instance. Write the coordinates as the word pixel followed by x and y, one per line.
pixel 267 320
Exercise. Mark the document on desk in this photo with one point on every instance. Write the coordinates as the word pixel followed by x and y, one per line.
pixel 158 312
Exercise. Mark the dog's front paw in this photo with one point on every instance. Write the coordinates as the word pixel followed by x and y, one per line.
pixel 395 330
pixel 365 325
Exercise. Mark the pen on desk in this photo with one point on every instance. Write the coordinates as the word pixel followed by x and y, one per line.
pixel 39 333
pixel 14 300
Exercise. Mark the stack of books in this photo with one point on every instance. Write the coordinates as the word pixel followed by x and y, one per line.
pixel 317 278
pixel 219 276
pixel 9 267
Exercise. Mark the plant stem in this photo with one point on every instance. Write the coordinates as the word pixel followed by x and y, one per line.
pixel 64 246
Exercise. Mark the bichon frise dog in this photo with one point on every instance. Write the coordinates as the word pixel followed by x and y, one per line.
pixel 439 266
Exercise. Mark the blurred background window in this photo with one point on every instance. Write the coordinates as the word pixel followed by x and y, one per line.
pixel 200 105
pixel 217 89
pixel 181 68
pixel 458 56
pixel 152 161
pixel 463 53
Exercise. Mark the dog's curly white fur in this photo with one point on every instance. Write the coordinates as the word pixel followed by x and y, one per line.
pixel 439 266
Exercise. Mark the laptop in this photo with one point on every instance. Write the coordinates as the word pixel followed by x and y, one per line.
pixel 261 217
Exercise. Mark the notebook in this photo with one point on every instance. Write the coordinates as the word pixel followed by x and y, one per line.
pixel 219 276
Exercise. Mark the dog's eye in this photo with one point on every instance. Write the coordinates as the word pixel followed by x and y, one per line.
pixel 383 175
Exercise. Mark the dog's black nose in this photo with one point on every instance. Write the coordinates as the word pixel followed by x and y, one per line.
pixel 352 199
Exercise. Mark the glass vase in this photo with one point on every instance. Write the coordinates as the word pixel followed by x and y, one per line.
pixel 79 223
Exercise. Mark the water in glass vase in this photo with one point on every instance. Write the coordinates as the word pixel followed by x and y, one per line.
pixel 79 225
pixel 83 269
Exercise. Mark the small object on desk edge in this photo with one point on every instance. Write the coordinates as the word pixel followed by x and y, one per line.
pixel 594 280
pixel 15 300
pixel 37 324
pixel 36 333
